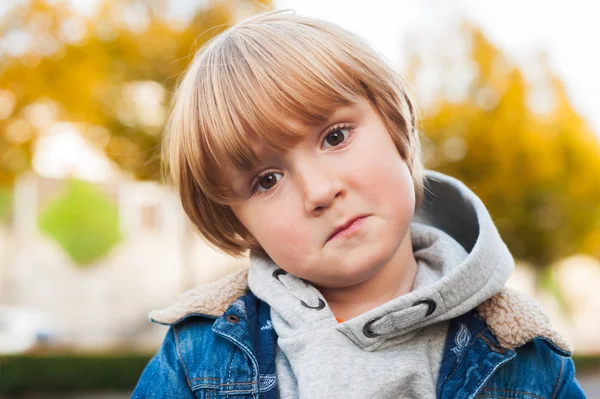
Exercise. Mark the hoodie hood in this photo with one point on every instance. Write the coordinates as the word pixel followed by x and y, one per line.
pixel 462 261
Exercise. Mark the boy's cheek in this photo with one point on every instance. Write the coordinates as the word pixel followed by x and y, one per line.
pixel 291 257
pixel 282 235
pixel 383 183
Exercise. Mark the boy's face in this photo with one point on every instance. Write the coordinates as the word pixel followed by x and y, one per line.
pixel 345 169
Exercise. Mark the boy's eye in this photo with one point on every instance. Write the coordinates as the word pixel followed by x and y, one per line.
pixel 268 181
pixel 336 137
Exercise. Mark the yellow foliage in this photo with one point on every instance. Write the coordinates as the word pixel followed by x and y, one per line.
pixel 539 174
pixel 87 78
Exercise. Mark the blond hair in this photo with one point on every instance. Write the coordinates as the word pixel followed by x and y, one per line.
pixel 244 82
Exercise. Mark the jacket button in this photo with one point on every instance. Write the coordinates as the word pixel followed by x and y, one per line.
pixel 494 347
pixel 232 318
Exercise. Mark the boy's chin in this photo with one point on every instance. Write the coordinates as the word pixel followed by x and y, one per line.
pixel 349 275
pixel 363 266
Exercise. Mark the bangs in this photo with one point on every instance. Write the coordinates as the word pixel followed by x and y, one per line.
pixel 253 79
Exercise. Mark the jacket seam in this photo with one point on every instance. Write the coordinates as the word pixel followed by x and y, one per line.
pixel 489 375
pixel 562 364
pixel 464 355
pixel 227 393
pixel 248 352
pixel 487 341
pixel 510 391
pixel 234 383
pixel 477 333
pixel 214 386
pixel 503 397
pixel 187 379
pixel 231 364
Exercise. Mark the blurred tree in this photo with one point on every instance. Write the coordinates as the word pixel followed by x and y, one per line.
pixel 112 74
pixel 524 150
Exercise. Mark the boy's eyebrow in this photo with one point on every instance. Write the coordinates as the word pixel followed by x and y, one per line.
pixel 337 113
pixel 240 175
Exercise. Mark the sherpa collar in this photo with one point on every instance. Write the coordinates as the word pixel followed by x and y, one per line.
pixel 511 316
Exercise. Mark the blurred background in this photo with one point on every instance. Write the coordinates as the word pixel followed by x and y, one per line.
pixel 91 240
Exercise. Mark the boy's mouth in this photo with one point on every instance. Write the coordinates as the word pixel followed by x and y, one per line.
pixel 348 228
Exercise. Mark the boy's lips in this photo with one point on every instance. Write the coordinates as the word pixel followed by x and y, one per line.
pixel 347 227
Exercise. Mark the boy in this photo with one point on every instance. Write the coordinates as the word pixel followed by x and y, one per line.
pixel 369 277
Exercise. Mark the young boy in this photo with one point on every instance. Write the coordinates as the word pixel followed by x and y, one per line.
pixel 370 277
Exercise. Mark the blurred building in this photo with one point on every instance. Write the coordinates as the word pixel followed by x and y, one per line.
pixel 105 303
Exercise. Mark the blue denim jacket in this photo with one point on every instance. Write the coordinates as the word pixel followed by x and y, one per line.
pixel 234 356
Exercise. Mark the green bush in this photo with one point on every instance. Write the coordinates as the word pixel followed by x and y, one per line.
pixel 51 373
pixel 5 203
pixel 66 373
pixel 83 221
pixel 587 364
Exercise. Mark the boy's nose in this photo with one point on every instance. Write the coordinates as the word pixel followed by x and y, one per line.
pixel 320 188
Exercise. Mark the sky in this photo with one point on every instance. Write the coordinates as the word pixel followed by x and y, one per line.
pixel 568 31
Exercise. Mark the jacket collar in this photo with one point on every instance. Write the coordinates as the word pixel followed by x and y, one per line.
pixel 472 354
pixel 210 299
pixel 469 346
pixel 516 319
pixel 512 317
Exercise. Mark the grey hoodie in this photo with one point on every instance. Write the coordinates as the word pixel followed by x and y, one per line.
pixel 395 349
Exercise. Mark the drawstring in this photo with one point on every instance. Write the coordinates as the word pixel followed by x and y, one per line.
pixel 309 298
pixel 307 295
pixel 393 321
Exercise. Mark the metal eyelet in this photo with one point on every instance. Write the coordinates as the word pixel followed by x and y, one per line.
pixel 232 318
pixel 320 306
pixel 277 273
pixel 367 329
pixel 429 302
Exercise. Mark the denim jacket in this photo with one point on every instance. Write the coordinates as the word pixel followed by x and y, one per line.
pixel 233 355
